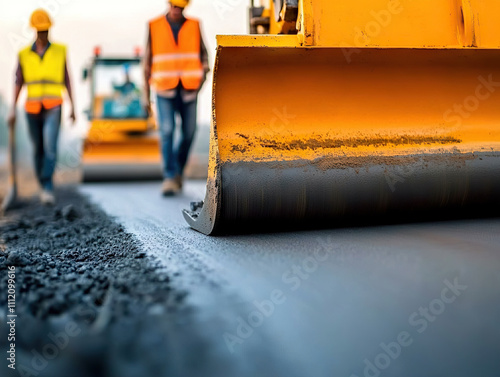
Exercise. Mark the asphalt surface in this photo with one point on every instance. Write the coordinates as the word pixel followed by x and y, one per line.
pixel 88 301
pixel 418 299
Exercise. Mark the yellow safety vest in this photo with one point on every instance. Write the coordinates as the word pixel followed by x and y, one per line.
pixel 44 78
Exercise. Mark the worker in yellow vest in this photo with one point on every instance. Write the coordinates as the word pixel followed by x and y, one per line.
pixel 42 69
pixel 176 66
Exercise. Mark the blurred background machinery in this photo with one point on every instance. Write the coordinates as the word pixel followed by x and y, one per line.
pixel 122 142
pixel 273 17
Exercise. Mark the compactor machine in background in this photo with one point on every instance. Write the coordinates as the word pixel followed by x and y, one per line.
pixel 371 107
pixel 122 142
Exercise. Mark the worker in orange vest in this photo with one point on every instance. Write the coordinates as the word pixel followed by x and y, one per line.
pixel 43 70
pixel 176 67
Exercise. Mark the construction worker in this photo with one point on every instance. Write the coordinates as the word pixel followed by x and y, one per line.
pixel 128 86
pixel 176 67
pixel 127 98
pixel 42 68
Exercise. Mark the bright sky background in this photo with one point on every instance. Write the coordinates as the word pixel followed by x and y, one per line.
pixel 115 25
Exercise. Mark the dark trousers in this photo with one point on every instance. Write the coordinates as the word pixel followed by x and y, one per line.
pixel 44 133
pixel 175 156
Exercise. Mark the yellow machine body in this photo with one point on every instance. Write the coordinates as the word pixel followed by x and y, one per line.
pixel 121 142
pixel 121 150
pixel 373 107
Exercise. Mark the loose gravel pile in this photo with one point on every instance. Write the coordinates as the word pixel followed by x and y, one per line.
pixel 89 301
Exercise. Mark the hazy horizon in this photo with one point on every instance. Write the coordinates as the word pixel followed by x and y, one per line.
pixel 117 26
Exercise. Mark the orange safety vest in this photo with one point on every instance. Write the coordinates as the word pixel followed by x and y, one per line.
pixel 176 62
pixel 44 78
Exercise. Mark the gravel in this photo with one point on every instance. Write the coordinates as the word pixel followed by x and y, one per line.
pixel 85 292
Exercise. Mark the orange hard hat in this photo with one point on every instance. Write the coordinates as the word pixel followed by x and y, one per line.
pixel 179 3
pixel 40 20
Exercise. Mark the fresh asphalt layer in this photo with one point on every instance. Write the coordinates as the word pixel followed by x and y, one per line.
pixel 396 300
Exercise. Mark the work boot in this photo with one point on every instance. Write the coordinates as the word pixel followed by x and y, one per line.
pixel 179 181
pixel 47 198
pixel 170 187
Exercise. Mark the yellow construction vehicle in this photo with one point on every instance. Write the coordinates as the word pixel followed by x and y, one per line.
pixel 279 17
pixel 122 142
pixel 372 107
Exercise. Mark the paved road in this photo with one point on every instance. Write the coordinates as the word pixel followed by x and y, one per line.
pixel 407 300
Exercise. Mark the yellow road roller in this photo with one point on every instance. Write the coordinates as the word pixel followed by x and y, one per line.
pixel 358 108
pixel 122 142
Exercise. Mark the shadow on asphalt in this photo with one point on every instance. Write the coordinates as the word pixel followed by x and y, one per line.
pixel 490 211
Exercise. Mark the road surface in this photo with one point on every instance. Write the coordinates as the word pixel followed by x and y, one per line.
pixel 401 300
